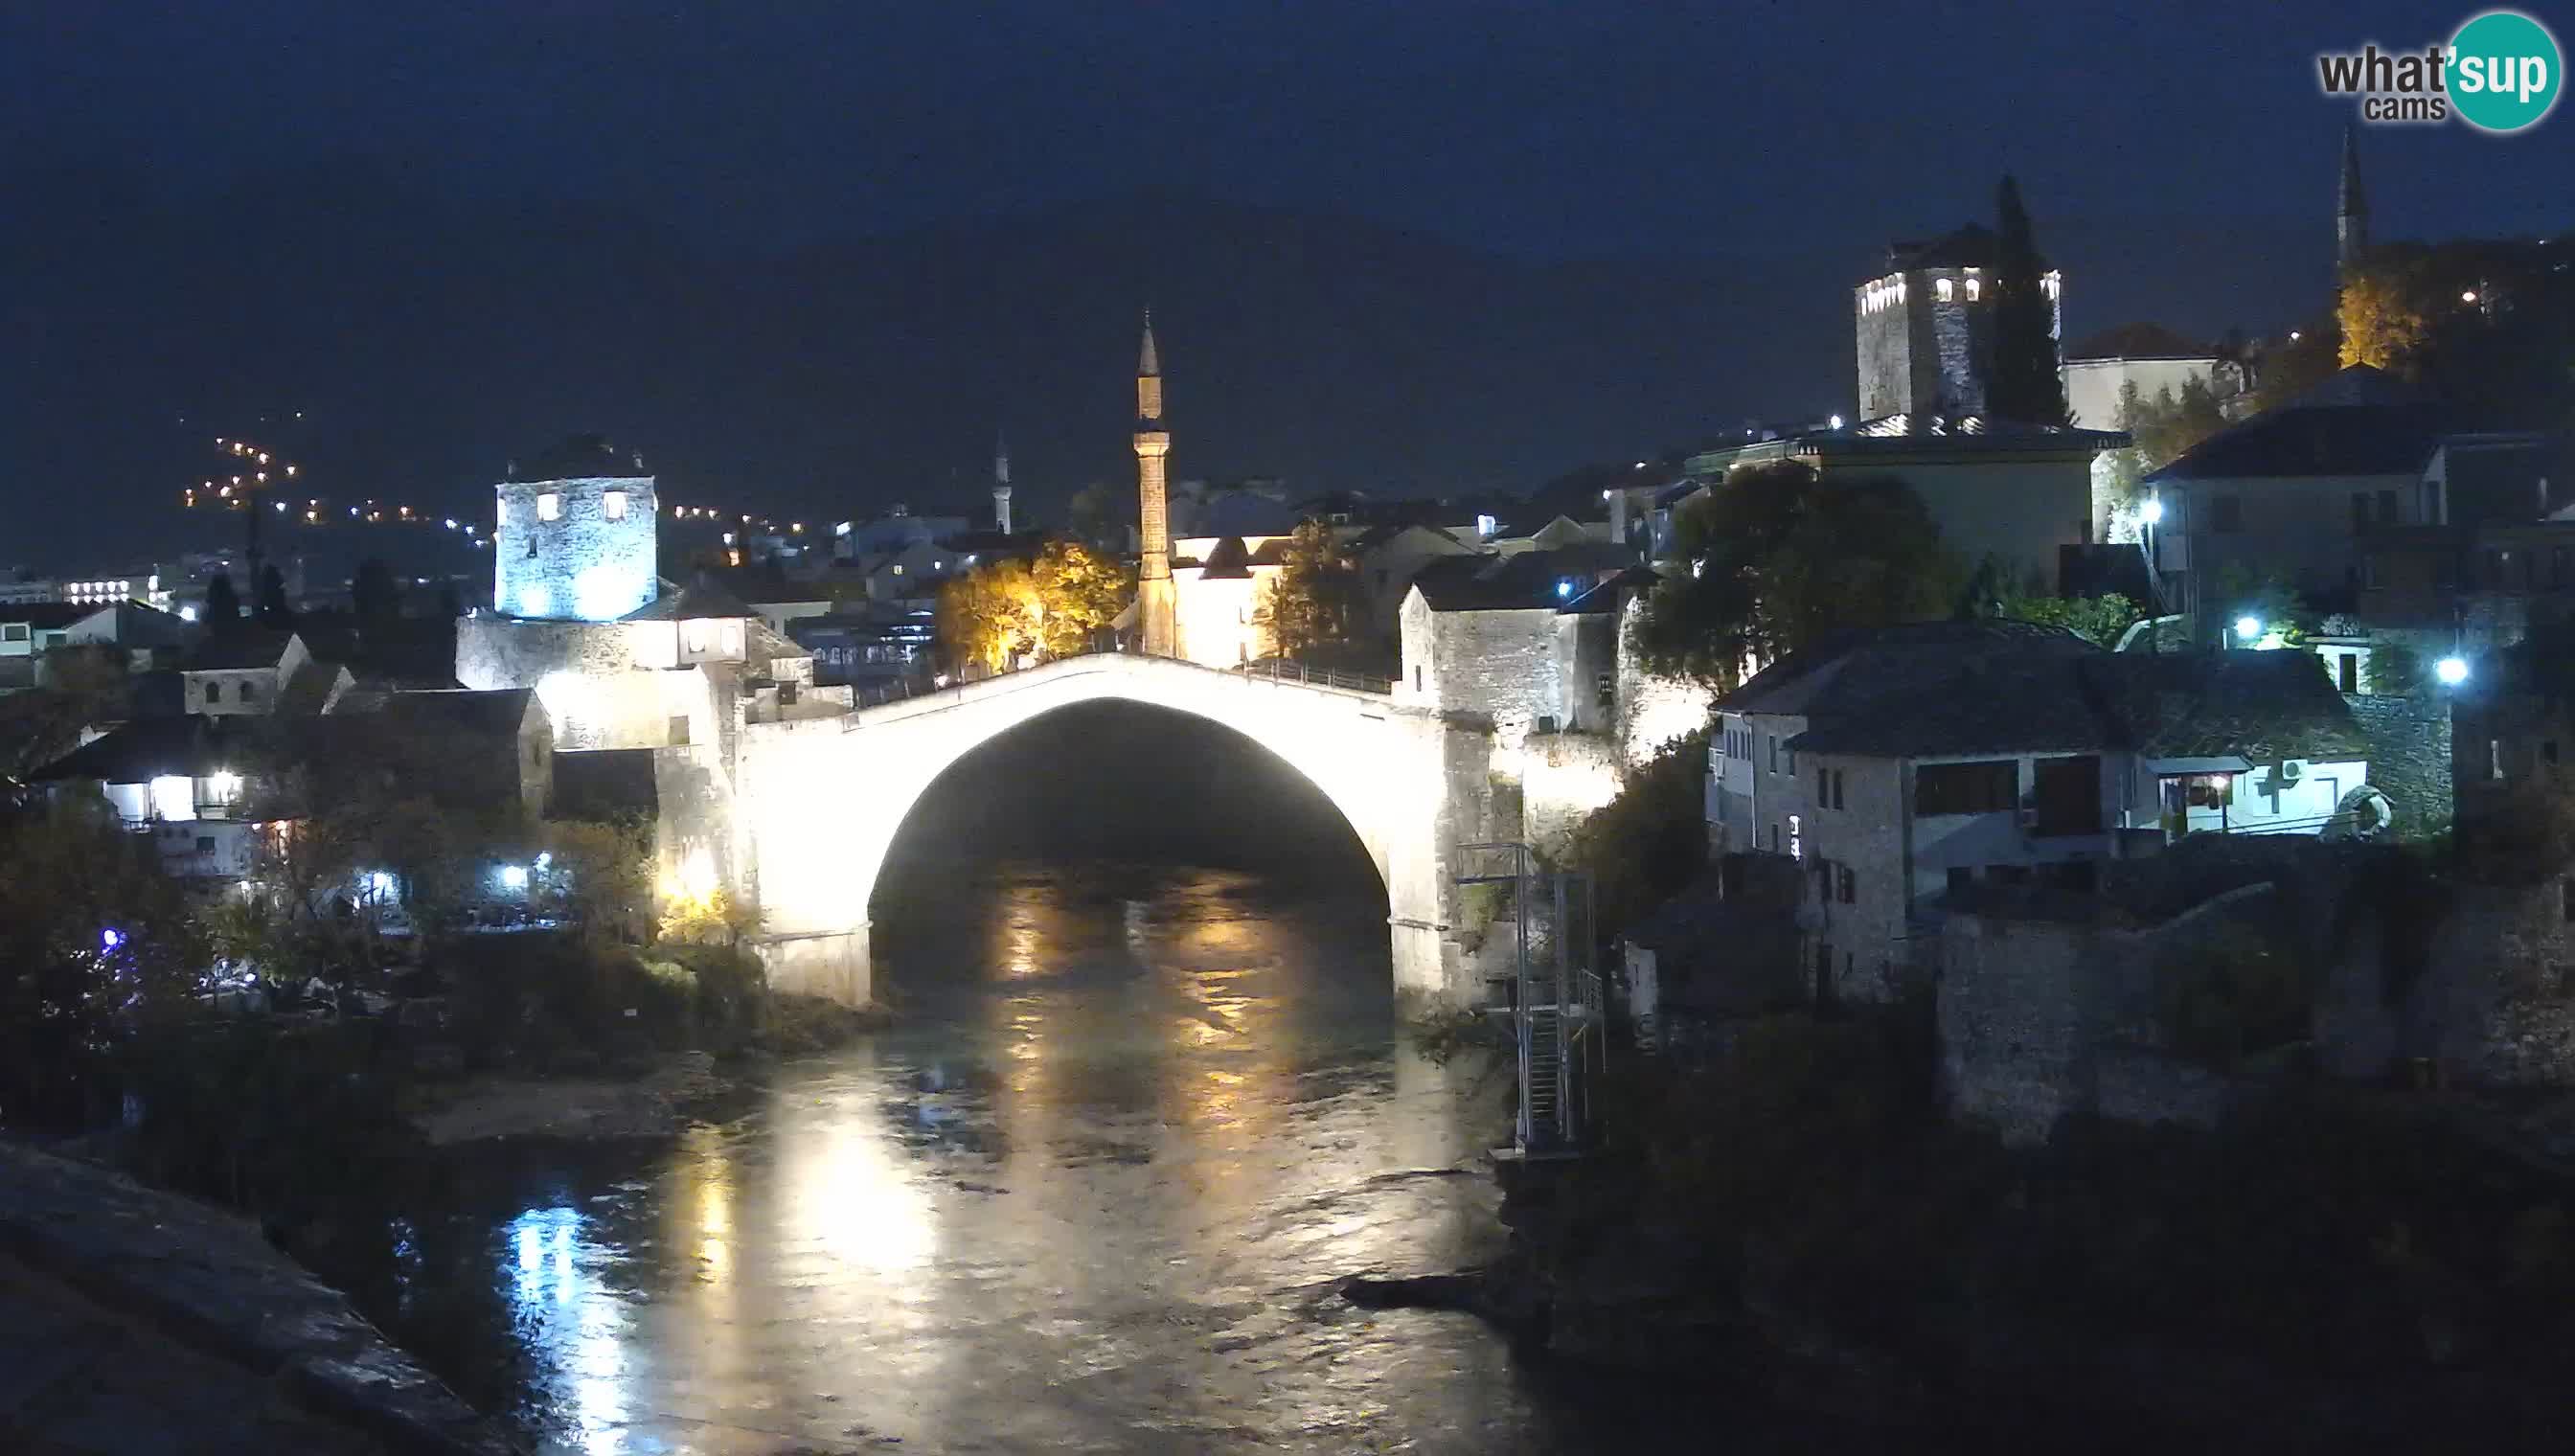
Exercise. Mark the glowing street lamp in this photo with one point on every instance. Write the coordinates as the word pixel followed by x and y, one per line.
pixel 2249 628
pixel 2152 513
pixel 2452 671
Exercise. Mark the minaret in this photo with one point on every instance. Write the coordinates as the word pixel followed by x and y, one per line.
pixel 2351 205
pixel 1156 602
pixel 1002 484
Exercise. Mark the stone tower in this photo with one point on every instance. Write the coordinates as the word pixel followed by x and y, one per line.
pixel 1156 602
pixel 1925 326
pixel 1001 484
pixel 2351 204
pixel 574 539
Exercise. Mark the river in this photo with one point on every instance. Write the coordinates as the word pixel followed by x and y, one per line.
pixel 1095 1192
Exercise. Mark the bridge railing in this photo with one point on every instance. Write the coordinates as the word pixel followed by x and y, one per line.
pixel 1269 671
pixel 1275 671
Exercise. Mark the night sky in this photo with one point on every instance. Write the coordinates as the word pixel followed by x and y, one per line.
pixel 809 256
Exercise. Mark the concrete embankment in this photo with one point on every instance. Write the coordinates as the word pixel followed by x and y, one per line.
pixel 137 1320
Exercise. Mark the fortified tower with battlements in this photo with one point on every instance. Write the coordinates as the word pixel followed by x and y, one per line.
pixel 573 537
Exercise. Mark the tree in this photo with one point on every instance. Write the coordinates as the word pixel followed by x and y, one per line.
pixel 1313 600
pixel 2024 384
pixel 988 616
pixel 273 611
pixel 2394 669
pixel 599 874
pixel 95 943
pixel 1774 556
pixel 2297 364
pixel 223 604
pixel 2103 618
pixel 2169 426
pixel 1100 515
pixel 2382 319
pixel 373 597
pixel 1079 592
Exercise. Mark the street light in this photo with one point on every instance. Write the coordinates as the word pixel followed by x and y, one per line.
pixel 2249 628
pixel 2452 671
pixel 2152 513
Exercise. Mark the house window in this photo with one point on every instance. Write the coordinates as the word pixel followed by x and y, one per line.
pixel 1961 879
pixel 1846 882
pixel 2068 796
pixel 1416 679
pixel 1823 789
pixel 612 505
pixel 2226 515
pixel 550 506
pixel 249 692
pixel 1775 838
pixel 2387 511
pixel 1837 788
pixel 2494 759
pixel 2349 666
pixel 1945 289
pixel 1966 789
pixel 1771 743
pixel 1975 289
pixel 13 631
pixel 678 727
pixel 214 692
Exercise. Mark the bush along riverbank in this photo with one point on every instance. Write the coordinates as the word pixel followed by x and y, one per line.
pixel 1793 1215
pixel 327 1128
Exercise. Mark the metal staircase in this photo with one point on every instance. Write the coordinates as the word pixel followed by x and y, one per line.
pixel 1552 995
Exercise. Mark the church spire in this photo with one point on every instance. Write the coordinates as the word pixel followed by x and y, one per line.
pixel 2351 204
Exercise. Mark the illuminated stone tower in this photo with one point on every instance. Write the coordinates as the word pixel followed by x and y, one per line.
pixel 1001 484
pixel 2351 204
pixel 1156 601
pixel 573 538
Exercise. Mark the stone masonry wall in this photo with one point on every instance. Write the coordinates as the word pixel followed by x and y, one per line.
pixel 2496 1003
pixel 581 563
pixel 2409 757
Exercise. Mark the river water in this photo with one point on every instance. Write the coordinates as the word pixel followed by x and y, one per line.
pixel 1093 1193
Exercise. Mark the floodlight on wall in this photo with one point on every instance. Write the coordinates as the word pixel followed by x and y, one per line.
pixel 2249 628
pixel 2452 671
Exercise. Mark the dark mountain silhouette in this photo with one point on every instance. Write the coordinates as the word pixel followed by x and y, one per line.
pixel 427 339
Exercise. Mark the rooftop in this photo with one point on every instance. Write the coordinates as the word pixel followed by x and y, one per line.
pixel 575 458
pixel 2138 341
pixel 2360 422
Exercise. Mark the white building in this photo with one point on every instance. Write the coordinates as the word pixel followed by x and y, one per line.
pixel 2153 358
pixel 1902 764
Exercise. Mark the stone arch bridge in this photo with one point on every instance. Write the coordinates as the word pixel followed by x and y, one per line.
pixel 817 802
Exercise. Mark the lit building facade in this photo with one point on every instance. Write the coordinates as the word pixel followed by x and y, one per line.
pixel 574 541
pixel 1925 326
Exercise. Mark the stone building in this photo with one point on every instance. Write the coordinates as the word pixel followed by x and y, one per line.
pixel 1925 326
pixel 2154 359
pixel 1906 764
pixel 2007 492
pixel 574 537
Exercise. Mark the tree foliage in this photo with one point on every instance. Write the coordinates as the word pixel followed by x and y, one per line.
pixel 1773 555
pixel 1314 601
pixel 2394 669
pixel 2382 319
pixel 1643 846
pixel 2101 618
pixel 1008 610
pixel 2167 425
pixel 223 602
pixel 95 943
pixel 272 608
pixel 2024 384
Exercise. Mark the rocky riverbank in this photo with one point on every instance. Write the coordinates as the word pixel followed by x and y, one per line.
pixel 663 1096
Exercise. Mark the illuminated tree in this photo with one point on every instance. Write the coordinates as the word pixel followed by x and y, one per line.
pixel 988 617
pixel 1079 592
pixel 1313 600
pixel 2382 318
pixel 1773 557
pixel 2101 618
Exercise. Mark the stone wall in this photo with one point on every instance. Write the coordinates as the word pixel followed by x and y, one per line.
pixel 2409 757
pixel 582 565
pixel 1498 665
pixel 2495 1005
pixel 1565 777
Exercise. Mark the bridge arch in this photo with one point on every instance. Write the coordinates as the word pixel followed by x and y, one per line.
pixel 819 801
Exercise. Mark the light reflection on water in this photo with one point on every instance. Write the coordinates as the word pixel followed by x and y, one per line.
pixel 1094 1193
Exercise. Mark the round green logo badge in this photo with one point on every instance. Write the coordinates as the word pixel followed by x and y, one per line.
pixel 2505 71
